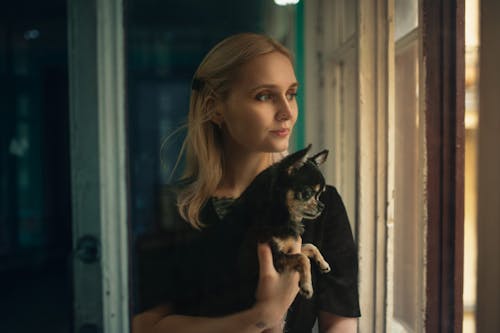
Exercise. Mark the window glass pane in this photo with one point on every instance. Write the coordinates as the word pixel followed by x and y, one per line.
pixel 406 17
pixel 408 194
pixel 349 18
pixel 471 159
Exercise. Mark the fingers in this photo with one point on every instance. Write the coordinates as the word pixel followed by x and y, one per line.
pixel 266 265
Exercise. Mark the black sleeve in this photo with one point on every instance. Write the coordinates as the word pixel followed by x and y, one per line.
pixel 156 257
pixel 156 274
pixel 338 289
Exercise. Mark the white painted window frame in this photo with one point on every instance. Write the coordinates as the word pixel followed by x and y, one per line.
pixel 400 45
pixel 98 163
pixel 365 180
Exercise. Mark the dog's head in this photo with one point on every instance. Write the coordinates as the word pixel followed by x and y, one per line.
pixel 302 182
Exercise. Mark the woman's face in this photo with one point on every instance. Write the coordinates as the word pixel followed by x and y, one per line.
pixel 261 108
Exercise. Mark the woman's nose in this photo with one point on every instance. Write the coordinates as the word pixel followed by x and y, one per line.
pixel 284 110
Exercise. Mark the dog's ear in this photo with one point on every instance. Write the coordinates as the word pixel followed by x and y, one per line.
pixel 295 160
pixel 320 157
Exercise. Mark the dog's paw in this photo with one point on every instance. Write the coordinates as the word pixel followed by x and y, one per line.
pixel 324 267
pixel 306 290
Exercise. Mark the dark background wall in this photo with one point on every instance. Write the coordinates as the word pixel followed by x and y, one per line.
pixel 165 41
pixel 35 201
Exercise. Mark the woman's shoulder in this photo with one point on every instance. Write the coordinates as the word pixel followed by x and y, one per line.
pixel 331 196
pixel 167 203
pixel 331 189
pixel 335 210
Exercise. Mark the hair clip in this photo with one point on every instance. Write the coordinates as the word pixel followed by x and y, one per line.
pixel 197 84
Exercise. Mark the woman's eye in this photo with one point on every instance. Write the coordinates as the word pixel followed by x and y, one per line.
pixel 291 96
pixel 264 97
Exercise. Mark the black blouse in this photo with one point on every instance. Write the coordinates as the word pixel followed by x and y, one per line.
pixel 192 270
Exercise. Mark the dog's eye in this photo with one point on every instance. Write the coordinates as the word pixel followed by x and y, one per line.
pixel 307 193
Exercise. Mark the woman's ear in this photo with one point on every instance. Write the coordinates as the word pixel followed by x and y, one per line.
pixel 214 108
pixel 217 118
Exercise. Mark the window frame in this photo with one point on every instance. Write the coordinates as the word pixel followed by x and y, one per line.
pixel 369 198
pixel 98 165
pixel 443 40
pixel 442 104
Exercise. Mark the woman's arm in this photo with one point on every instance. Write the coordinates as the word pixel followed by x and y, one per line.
pixel 161 320
pixel 331 323
pixel 275 293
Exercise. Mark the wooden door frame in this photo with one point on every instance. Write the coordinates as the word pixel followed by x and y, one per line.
pixel 444 64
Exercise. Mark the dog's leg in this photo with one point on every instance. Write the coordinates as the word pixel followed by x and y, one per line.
pixel 300 263
pixel 294 261
pixel 312 252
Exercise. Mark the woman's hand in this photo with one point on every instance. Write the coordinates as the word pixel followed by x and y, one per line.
pixel 275 291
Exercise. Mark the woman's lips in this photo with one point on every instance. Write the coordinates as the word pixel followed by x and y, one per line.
pixel 282 132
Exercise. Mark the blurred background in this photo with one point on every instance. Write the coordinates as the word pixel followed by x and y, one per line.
pixel 165 41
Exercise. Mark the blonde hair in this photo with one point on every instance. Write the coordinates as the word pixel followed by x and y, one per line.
pixel 203 143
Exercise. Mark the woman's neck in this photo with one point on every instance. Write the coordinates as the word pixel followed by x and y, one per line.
pixel 240 170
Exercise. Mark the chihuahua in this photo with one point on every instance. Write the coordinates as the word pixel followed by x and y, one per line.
pixel 280 198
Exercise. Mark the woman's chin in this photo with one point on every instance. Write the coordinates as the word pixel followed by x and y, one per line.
pixel 279 147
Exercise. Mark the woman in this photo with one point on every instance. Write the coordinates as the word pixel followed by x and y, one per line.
pixel 242 111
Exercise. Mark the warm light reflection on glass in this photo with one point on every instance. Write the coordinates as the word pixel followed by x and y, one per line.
pixel 470 186
pixel 471 120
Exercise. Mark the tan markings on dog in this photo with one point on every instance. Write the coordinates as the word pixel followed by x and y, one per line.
pixel 286 245
pixel 316 188
pixel 312 252
pixel 300 263
pixel 293 206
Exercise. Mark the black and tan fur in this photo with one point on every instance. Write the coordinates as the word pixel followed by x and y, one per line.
pixel 280 198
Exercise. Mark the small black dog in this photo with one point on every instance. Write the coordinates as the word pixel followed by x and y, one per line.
pixel 279 198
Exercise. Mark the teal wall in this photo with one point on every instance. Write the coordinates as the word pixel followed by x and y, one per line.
pixel 300 72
